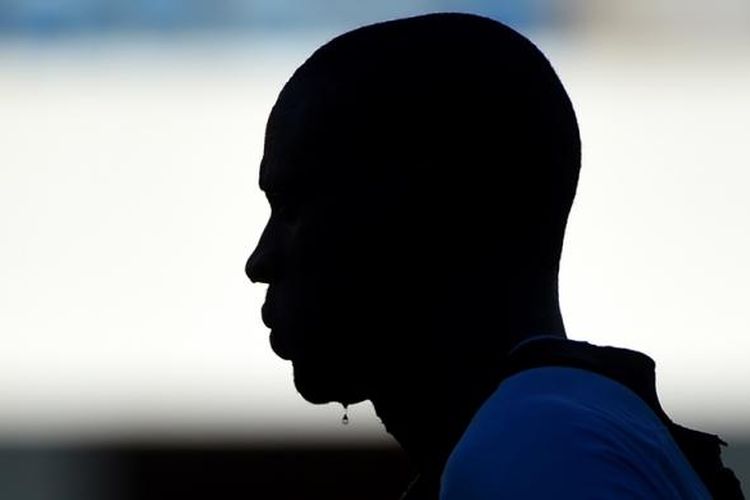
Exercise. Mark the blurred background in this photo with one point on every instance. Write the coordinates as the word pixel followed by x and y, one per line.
pixel 133 361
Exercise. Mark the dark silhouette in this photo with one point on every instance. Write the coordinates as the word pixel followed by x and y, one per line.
pixel 420 173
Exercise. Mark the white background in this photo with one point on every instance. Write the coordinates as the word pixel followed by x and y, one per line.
pixel 129 204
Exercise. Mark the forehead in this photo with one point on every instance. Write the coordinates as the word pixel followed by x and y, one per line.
pixel 295 140
pixel 282 150
pixel 310 142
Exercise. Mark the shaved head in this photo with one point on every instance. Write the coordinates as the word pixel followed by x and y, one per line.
pixel 420 173
pixel 460 110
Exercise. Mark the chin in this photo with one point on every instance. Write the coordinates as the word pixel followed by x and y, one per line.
pixel 320 386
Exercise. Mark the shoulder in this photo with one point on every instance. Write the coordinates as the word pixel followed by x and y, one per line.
pixel 557 433
pixel 562 403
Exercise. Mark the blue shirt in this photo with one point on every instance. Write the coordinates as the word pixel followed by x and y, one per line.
pixel 567 433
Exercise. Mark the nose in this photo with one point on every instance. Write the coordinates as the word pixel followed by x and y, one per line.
pixel 260 265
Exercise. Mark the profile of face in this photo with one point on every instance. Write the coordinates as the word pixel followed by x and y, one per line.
pixel 419 173
pixel 325 256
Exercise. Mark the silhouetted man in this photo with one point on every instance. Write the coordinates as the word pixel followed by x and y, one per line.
pixel 420 173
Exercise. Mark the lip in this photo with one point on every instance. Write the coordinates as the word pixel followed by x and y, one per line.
pixel 265 315
pixel 278 347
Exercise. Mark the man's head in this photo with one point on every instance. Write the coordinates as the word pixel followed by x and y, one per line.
pixel 420 173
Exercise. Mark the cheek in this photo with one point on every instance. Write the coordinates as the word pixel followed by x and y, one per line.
pixel 339 276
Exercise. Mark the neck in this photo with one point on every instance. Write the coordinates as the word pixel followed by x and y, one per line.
pixel 427 406
pixel 427 416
